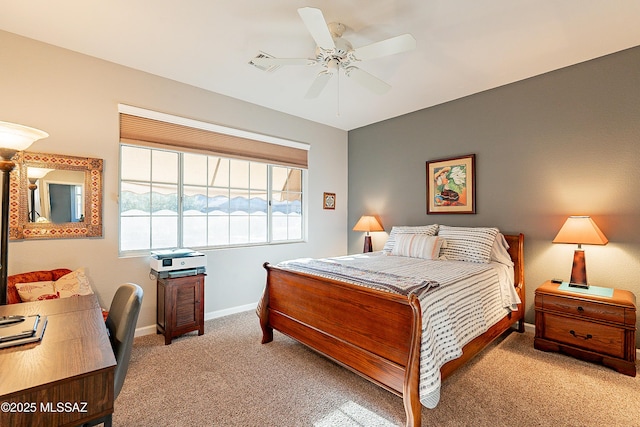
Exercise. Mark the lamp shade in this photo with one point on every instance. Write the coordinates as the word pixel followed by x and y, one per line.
pixel 37 173
pixel 368 223
pixel 14 137
pixel 581 230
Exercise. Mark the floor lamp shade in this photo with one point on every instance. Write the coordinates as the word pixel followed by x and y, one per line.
pixel 13 138
pixel 368 223
pixel 580 230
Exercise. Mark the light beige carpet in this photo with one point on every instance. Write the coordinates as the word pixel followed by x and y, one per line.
pixel 227 378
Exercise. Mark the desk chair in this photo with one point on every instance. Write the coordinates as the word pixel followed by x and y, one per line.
pixel 121 323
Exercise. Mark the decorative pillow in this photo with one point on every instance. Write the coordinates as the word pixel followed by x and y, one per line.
pixel 36 291
pixel 472 244
pixel 72 284
pixel 417 246
pixel 500 251
pixel 428 230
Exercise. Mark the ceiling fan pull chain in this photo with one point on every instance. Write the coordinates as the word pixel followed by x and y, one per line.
pixel 338 95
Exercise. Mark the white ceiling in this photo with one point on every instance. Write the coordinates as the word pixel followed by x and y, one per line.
pixel 463 46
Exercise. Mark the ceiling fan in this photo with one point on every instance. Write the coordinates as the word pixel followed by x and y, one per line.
pixel 334 53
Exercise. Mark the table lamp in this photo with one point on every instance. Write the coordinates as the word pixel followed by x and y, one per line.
pixel 368 223
pixel 13 138
pixel 580 230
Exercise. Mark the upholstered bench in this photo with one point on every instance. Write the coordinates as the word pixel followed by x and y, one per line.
pixel 13 297
pixel 77 284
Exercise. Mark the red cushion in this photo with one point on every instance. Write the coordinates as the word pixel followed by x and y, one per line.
pixel 33 276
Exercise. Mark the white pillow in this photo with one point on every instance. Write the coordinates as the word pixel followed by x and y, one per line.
pixel 417 246
pixel 428 230
pixel 471 244
pixel 500 251
pixel 72 284
pixel 36 291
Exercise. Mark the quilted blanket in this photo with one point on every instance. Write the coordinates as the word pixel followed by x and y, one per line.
pixel 459 300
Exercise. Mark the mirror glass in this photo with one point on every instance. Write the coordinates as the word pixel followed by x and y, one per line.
pixel 55 196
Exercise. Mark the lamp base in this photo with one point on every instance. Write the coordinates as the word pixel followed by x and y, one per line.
pixel 368 246
pixel 579 271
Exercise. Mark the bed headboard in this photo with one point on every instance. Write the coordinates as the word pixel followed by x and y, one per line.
pixel 516 250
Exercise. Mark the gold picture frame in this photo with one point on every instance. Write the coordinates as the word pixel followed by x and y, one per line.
pixel 328 200
pixel 451 185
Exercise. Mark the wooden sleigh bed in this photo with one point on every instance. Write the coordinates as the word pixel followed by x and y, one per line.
pixel 335 319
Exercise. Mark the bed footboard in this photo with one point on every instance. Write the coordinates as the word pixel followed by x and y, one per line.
pixel 374 333
pixel 334 319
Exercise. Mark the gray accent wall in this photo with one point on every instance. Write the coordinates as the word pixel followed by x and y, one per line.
pixel 559 144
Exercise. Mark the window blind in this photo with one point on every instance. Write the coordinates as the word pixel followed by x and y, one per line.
pixel 147 131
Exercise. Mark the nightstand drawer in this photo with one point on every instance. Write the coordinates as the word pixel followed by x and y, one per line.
pixel 590 336
pixel 587 309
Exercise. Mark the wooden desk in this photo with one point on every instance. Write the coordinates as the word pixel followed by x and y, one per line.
pixel 67 378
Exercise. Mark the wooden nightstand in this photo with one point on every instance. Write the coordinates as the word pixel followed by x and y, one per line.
pixel 590 327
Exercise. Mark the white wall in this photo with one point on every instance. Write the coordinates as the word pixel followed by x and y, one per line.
pixel 74 98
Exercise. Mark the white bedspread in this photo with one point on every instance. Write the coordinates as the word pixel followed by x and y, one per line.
pixel 459 300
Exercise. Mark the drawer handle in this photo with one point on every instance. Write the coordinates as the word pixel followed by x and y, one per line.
pixel 585 337
pixel 580 309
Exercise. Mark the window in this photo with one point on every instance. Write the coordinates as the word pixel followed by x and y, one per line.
pixel 172 199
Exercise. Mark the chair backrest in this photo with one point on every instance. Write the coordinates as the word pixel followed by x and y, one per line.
pixel 121 323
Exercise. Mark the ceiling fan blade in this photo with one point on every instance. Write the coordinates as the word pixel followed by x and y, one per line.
pixel 318 84
pixel 317 26
pixel 367 80
pixel 268 62
pixel 386 47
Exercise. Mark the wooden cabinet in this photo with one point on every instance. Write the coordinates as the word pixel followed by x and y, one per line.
pixel 180 306
pixel 595 328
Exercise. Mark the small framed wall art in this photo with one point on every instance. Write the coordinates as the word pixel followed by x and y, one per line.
pixel 451 185
pixel 329 200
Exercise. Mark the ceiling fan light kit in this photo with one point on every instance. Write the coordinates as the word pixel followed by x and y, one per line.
pixel 333 53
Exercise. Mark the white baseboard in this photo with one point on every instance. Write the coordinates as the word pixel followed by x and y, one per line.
pixel 151 329
pixel 230 311
pixel 530 327
pixel 145 330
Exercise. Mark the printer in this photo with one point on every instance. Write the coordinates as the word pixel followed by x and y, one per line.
pixel 177 263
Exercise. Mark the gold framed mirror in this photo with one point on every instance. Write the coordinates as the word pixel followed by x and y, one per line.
pixel 53 196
